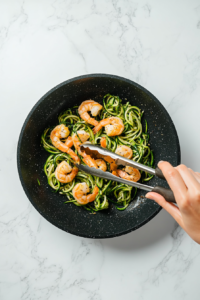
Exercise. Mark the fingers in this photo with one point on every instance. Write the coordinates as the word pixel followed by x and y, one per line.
pixel 195 174
pixel 172 209
pixel 174 180
pixel 188 176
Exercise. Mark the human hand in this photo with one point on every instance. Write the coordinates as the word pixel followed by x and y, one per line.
pixel 185 184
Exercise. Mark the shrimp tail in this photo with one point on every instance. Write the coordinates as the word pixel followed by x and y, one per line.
pixel 94 194
pixel 89 120
pixel 74 156
pixel 97 128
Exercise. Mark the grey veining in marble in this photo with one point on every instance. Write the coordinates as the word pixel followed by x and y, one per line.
pixel 42 43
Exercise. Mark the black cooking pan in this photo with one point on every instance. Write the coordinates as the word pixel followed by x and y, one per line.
pixel 31 156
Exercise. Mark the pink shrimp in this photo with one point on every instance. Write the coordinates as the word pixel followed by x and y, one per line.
pixel 83 137
pixel 59 132
pixel 93 107
pixel 101 164
pixel 113 126
pixel 124 151
pixel 80 193
pixel 129 173
pixel 65 173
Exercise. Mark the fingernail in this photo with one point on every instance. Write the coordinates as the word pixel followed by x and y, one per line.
pixel 149 197
pixel 160 161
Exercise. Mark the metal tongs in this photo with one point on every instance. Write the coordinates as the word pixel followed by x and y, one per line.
pixel 99 152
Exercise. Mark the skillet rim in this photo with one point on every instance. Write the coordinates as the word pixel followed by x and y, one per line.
pixel 178 153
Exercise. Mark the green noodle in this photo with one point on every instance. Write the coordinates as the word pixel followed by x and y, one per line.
pixel 132 136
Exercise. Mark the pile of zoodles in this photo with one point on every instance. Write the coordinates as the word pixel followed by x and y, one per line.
pixel 133 136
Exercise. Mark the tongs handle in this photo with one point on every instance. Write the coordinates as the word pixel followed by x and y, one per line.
pixel 166 193
pixel 159 173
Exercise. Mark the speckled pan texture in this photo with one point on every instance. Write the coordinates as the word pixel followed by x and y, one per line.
pixel 31 156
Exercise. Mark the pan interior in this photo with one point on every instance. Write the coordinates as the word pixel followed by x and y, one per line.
pixel 31 156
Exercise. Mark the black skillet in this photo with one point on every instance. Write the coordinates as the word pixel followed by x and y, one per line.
pixel 31 156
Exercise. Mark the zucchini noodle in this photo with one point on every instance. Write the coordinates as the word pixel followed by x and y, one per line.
pixel 133 136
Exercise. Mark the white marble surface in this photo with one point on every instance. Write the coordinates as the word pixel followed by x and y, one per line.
pixel 42 43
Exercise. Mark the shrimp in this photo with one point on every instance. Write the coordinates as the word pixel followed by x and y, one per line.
pixel 65 173
pixel 89 161
pixel 111 161
pixel 82 137
pixel 129 174
pixel 113 126
pixel 59 132
pixel 101 164
pixel 93 107
pixel 124 151
pixel 80 192
pixel 103 142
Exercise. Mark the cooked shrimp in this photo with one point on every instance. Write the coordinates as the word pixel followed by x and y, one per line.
pixel 101 164
pixel 65 173
pixel 103 142
pixel 59 132
pixel 124 151
pixel 83 137
pixel 80 192
pixel 93 107
pixel 111 161
pixel 113 126
pixel 129 174
pixel 89 161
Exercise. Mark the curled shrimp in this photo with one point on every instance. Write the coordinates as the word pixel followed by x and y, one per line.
pixel 80 193
pixel 124 151
pixel 129 173
pixel 93 107
pixel 59 132
pixel 89 161
pixel 65 173
pixel 111 161
pixel 82 137
pixel 101 164
pixel 78 139
pixel 113 126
